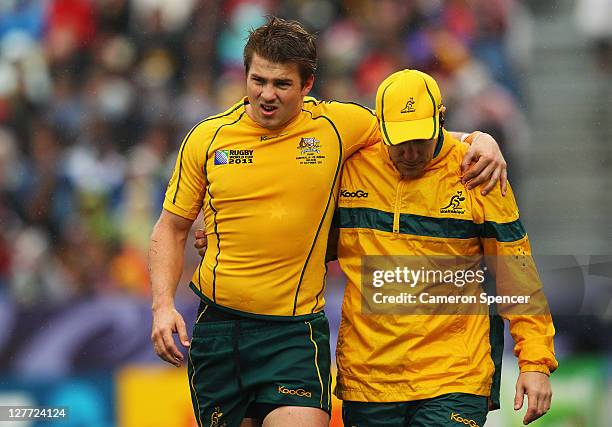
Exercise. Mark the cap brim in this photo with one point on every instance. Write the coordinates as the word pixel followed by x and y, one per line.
pixel 395 133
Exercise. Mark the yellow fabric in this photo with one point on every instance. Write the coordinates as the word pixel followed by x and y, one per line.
pixel 391 358
pixel 408 103
pixel 268 199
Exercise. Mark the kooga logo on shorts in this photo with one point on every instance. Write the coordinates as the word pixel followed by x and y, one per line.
pixel 358 193
pixel 457 418
pixel 299 392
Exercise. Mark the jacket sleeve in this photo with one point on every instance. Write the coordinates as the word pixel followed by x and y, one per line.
pixel 508 257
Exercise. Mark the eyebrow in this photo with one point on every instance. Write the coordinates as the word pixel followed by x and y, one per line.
pixel 276 81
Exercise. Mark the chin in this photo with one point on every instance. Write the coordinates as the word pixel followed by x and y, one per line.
pixel 411 174
pixel 268 122
pixel 272 124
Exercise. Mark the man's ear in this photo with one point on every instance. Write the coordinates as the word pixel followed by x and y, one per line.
pixel 308 85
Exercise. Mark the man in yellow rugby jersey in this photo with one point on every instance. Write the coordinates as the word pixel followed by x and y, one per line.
pixel 405 197
pixel 266 175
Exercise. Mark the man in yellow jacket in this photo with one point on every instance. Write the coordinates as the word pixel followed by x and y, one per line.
pixel 401 359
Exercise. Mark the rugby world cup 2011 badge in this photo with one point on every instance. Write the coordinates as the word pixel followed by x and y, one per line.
pixel 309 151
pixel 234 157
pixel 221 157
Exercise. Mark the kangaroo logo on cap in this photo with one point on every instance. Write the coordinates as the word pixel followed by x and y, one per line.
pixel 409 108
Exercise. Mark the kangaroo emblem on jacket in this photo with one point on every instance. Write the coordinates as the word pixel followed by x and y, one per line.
pixel 454 205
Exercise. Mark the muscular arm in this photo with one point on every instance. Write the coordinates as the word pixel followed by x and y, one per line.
pixel 165 268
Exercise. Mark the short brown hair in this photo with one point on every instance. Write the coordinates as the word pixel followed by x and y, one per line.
pixel 283 41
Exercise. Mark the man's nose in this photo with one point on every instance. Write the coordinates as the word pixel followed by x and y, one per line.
pixel 268 93
pixel 410 153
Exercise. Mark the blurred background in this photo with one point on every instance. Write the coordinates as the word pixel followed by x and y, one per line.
pixel 96 96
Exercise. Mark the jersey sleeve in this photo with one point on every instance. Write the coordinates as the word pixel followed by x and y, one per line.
pixel 185 192
pixel 508 257
pixel 356 124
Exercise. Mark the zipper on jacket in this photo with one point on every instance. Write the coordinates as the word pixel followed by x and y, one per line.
pixel 398 206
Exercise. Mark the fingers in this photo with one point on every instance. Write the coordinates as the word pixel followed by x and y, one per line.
pixel 201 246
pixel 519 397
pixel 468 159
pixel 163 350
pixel 165 323
pixel 539 404
pixel 485 169
pixel 200 243
pixel 489 165
pixel 539 394
pixel 544 403
pixel 172 349
pixel 182 333
pixel 532 409
pixel 492 182
pixel 503 180
pixel 475 169
pixel 486 174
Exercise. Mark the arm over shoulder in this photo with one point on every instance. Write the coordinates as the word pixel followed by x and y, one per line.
pixel 356 124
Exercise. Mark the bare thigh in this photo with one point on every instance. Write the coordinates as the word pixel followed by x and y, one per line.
pixel 296 416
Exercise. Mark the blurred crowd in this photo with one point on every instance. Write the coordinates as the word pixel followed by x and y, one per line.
pixel 96 95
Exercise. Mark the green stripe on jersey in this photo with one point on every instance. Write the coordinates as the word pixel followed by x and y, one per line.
pixel 418 225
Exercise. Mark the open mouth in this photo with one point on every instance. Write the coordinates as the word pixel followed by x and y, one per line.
pixel 268 109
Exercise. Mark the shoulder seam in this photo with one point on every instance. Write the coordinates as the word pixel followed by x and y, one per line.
pixel 312 101
pixel 220 116
pixel 357 104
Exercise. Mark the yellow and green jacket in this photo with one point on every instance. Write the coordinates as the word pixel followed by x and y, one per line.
pixel 268 198
pixel 391 358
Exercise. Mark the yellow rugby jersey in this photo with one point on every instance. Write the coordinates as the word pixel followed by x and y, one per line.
pixel 268 199
pixel 391 358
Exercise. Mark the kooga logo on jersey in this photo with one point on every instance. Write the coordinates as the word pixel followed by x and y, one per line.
pixel 358 193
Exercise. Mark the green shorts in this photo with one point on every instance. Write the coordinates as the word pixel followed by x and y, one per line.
pixel 447 410
pixel 237 364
